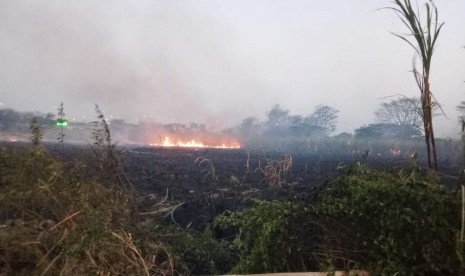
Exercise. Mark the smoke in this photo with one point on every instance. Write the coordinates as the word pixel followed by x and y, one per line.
pixel 151 57
pixel 214 62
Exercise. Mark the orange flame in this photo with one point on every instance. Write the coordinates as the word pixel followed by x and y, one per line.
pixel 195 144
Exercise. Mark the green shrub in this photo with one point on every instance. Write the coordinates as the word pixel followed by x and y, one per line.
pixel 405 226
pixel 198 253
pixel 261 236
pixel 389 223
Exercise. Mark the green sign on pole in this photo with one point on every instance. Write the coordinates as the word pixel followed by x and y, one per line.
pixel 62 122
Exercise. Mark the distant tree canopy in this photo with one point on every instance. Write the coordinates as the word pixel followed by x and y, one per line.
pixel 277 117
pixel 11 120
pixel 344 136
pixel 247 125
pixel 279 121
pixel 282 130
pixel 404 111
pixel 383 131
pixel 324 117
pixel 323 120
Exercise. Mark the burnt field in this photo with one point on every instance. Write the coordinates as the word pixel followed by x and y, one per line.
pixel 183 195
pixel 207 182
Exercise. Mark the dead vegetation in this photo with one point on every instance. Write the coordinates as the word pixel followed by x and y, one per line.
pixel 55 220
pixel 276 172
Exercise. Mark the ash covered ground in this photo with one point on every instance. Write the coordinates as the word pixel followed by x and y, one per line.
pixel 207 182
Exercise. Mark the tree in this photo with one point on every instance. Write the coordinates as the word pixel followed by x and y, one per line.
pixel 404 111
pixel 383 130
pixel 424 40
pixel 9 119
pixel 277 117
pixel 45 119
pixel 296 125
pixel 247 125
pixel 323 117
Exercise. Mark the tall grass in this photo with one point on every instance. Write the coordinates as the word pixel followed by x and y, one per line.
pixel 424 37
pixel 57 221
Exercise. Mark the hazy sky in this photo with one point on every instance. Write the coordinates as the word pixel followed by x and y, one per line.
pixel 210 60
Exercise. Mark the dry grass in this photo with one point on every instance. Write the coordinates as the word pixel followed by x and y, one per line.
pixel 277 171
pixel 55 222
pixel 208 168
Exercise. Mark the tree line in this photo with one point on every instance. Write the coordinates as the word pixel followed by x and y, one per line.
pixel 16 121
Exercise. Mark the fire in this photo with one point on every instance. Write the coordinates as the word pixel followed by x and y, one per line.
pixel 195 144
pixel 395 152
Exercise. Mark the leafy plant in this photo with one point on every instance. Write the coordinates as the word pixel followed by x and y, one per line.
pixel 261 238
pixel 198 253
pixel 407 226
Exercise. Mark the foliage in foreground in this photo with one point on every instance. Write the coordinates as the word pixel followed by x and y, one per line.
pixel 54 221
pixel 388 223
pixel 199 253
pixel 261 239
pixel 81 217
pixel 404 225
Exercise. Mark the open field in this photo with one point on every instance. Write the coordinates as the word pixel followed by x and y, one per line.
pixel 194 199
pixel 209 181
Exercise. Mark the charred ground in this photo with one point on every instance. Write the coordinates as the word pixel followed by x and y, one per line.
pixel 210 181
